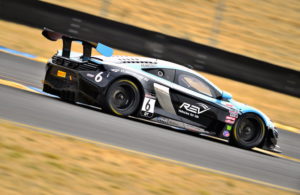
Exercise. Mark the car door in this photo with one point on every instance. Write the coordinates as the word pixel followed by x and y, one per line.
pixel 193 99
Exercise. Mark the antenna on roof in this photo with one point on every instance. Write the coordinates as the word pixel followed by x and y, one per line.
pixel 190 66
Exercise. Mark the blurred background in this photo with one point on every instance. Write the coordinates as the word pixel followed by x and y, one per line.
pixel 263 29
pixel 249 48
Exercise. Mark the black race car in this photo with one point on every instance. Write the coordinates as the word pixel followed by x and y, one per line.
pixel 157 90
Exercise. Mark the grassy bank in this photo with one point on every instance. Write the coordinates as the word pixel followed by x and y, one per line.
pixel 37 163
pixel 266 30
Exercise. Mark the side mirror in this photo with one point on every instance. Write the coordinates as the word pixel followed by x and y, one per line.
pixel 226 96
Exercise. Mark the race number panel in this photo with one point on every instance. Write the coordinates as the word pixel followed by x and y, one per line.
pixel 148 105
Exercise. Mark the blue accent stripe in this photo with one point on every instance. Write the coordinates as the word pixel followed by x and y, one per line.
pixel 41 91
pixel 104 50
pixel 17 52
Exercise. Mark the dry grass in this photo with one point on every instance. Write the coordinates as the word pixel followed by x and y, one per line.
pixel 268 30
pixel 38 163
pixel 281 108
pixel 31 41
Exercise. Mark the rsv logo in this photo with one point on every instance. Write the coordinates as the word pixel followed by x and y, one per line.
pixel 194 109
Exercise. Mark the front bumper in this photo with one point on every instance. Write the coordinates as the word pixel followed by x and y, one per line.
pixel 271 141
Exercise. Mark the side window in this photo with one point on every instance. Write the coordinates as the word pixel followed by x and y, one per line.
pixel 164 73
pixel 193 83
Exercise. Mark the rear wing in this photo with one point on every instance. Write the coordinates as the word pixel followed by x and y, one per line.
pixel 67 43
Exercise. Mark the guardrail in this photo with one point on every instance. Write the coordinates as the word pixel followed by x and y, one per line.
pixel 148 43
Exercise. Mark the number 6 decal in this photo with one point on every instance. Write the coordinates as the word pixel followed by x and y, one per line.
pixel 148 105
pixel 98 77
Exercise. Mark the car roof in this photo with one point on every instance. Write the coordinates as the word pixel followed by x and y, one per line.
pixel 150 63
pixel 144 62
pixel 139 62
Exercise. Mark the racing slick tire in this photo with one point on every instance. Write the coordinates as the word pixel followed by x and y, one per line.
pixel 122 98
pixel 248 132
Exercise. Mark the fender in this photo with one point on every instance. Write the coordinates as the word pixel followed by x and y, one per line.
pixel 243 108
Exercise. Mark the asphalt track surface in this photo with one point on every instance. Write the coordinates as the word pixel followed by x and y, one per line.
pixel 51 113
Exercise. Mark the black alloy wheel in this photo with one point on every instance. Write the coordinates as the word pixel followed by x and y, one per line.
pixel 123 98
pixel 248 132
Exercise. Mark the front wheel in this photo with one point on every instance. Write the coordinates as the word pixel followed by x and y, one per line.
pixel 248 132
pixel 122 98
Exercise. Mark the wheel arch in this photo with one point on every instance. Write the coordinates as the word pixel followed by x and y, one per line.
pixel 131 78
pixel 265 119
pixel 260 116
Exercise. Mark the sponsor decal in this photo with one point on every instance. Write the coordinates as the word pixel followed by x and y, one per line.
pixel 125 71
pixel 61 74
pixel 194 128
pixel 145 79
pixel 234 113
pixel 161 120
pixel 228 127
pixel 193 110
pixel 230 118
pixel 170 122
pixel 140 77
pixel 146 114
pixel 144 65
pixel 226 133
pixel 98 77
pixel 178 124
pixel 229 105
pixel 229 121
pixel 115 70
pixel 90 75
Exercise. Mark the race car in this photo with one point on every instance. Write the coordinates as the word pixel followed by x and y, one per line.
pixel 159 91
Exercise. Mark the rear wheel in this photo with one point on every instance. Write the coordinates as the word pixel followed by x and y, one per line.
pixel 122 98
pixel 248 132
